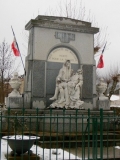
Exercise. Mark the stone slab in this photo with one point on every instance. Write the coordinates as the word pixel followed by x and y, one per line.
pixel 39 103
pixel 38 79
pixel 87 89
pixel 23 157
pixel 61 112
pixel 28 82
pixel 63 120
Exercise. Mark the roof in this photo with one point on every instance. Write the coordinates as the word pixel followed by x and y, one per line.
pixel 61 23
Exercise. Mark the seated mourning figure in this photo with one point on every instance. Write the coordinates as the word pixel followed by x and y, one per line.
pixel 61 83
pixel 68 86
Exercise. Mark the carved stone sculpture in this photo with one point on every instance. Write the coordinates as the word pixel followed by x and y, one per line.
pixel 101 87
pixel 61 82
pixel 15 84
pixel 68 86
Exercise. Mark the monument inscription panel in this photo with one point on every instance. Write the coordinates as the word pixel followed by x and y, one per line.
pixel 61 54
pixel 65 37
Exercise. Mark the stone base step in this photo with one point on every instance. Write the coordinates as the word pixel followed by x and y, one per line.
pixel 23 157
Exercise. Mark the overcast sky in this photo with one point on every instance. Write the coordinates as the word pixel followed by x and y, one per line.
pixel 18 12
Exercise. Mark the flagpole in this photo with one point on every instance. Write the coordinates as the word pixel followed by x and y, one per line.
pixel 104 47
pixel 18 50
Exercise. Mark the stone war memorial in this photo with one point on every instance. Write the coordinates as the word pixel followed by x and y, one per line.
pixel 53 41
pixel 60 71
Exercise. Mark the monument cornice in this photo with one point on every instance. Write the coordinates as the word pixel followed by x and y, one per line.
pixel 61 26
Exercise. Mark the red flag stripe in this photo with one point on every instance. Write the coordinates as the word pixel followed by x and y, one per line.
pixel 100 63
pixel 15 48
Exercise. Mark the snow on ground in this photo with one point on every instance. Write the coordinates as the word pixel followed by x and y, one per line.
pixel 115 101
pixel 45 154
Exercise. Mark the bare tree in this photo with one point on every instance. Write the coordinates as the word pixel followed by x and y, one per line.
pixel 76 10
pixel 7 67
pixel 112 78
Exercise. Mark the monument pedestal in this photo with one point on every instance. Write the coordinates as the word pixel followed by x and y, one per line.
pixel 103 103
pixel 59 121
pixel 14 102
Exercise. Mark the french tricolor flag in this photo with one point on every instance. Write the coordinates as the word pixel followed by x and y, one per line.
pixel 14 45
pixel 15 48
pixel 101 62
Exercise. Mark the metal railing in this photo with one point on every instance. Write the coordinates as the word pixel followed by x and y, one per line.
pixel 59 135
